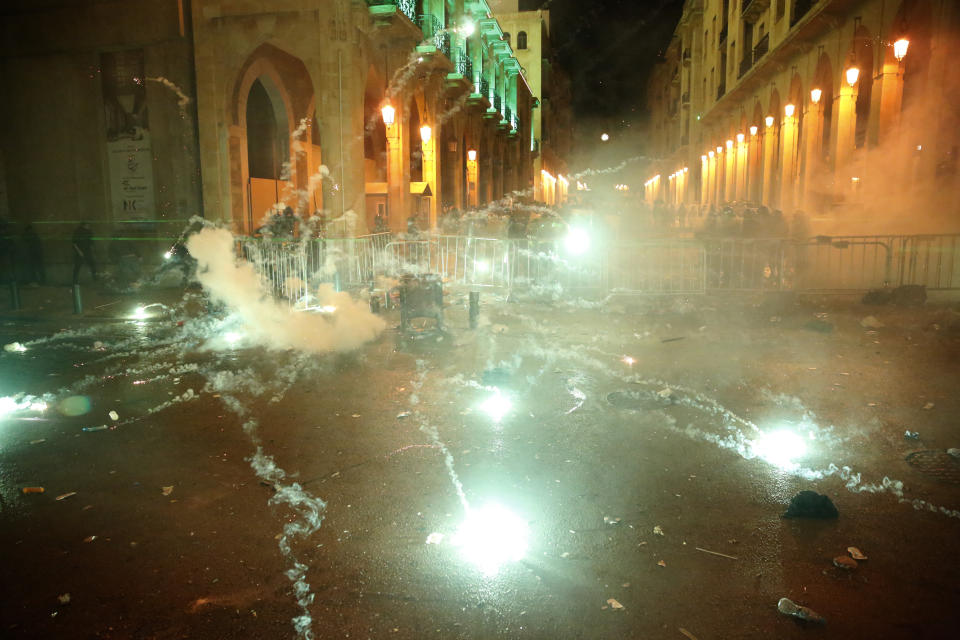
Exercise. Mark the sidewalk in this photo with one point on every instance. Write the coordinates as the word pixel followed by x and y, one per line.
pixel 55 303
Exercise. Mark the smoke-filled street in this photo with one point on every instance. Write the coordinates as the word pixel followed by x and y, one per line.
pixel 564 470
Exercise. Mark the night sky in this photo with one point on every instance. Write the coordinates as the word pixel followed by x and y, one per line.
pixel 609 48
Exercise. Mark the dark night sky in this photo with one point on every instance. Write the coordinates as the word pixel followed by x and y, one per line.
pixel 609 47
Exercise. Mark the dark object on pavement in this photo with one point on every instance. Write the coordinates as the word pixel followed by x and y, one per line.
pixel 810 504
pixel 672 339
pixel 908 295
pixel 790 608
pixel 421 297
pixel 821 326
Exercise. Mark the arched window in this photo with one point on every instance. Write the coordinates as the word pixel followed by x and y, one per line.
pixel 522 40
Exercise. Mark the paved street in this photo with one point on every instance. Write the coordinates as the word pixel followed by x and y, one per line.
pixel 616 458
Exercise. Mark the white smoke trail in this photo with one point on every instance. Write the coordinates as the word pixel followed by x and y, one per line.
pixel 182 98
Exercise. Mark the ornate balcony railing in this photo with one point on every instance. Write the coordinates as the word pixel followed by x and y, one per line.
pixel 496 101
pixel 507 114
pixel 745 65
pixel 484 88
pixel 442 42
pixel 514 122
pixel 431 28
pixel 406 7
pixel 761 49
pixel 464 65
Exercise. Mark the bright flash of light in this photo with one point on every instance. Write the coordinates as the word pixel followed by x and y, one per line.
pixel 139 313
pixel 167 255
pixel 232 337
pixel 780 448
pixel 490 537
pixel 467 29
pixel 7 405
pixel 496 405
pixel 605 137
pixel 577 241
pixel 327 308
pixel 481 266
pixel 628 360
pixel 38 406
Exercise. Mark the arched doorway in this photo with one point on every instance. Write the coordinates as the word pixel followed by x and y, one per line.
pixel 268 150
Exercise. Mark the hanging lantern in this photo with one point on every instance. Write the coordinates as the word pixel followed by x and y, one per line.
pixel 388 113
pixel 815 96
pixel 788 110
pixel 425 133
pixel 769 121
pixel 753 130
pixel 900 49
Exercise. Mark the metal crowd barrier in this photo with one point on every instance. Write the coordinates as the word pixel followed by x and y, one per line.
pixel 292 269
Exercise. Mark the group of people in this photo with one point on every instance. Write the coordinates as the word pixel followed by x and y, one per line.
pixel 22 258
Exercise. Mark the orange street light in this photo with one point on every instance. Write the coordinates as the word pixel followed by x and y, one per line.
pixel 729 144
pixel 425 133
pixel 852 74
pixel 388 113
pixel 900 49
pixel 710 153
pixel 769 121
pixel 740 137
pixel 472 155
pixel 753 130
pixel 815 95
pixel 788 110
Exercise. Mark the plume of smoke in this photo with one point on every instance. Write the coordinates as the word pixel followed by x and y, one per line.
pixel 236 284
pixel 182 98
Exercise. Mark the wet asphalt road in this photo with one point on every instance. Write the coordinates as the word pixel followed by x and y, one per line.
pixel 179 528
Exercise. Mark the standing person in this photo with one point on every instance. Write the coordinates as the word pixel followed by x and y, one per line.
pixel 36 272
pixel 83 251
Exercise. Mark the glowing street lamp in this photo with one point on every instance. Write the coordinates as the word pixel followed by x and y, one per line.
pixel 605 137
pixel 710 153
pixel 702 158
pixel 852 73
pixel 729 144
pixel 425 133
pixel 740 137
pixel 467 29
pixel 719 150
pixel 900 49
pixel 472 155
pixel 768 121
pixel 815 95
pixel 788 110
pixel 388 113
pixel 753 130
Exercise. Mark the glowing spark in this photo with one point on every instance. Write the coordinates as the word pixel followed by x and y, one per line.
pixel 232 337
pixel 481 266
pixel 490 537
pixel 167 255
pixel 577 241
pixel 628 360
pixel 496 405
pixel 139 313
pixel 328 308
pixel 780 448
pixel 7 405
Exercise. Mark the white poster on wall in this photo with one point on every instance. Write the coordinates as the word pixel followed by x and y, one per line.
pixel 131 178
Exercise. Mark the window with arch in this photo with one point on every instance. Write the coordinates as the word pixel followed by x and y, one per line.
pixel 521 40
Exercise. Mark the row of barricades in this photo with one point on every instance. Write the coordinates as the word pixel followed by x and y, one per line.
pixel 673 266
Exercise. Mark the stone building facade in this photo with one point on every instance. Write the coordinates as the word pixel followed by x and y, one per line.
pixel 846 110
pixel 137 114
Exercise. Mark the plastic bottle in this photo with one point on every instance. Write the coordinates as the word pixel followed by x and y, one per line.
pixel 790 608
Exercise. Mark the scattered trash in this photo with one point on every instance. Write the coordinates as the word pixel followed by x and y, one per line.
pixel 844 562
pixel 166 490
pixel 64 598
pixel 666 392
pixel 911 435
pixel 928 406
pixel 790 608
pixel 38 441
pixel 498 328
pixel 114 416
pixel 403 414
pixel 435 538
pixel 687 633
pixel 102 427
pixel 657 530
pixel 953 451
pixel 33 489
pixel 614 604
pixel 355 415
pixel 90 538
pixel 716 553
pixel 820 326
pixel 856 554
pixel 662 563
pixel 907 295
pixel 672 339
pixel 64 496
pixel 810 504
pixel 871 322
pixel 609 520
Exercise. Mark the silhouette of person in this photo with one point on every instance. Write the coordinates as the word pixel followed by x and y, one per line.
pixel 83 251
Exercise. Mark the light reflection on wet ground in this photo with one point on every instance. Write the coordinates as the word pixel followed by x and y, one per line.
pixel 591 456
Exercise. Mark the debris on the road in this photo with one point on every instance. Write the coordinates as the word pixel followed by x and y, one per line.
pixel 662 563
pixel 810 504
pixel 90 538
pixel 911 435
pixel 844 562
pixel 355 415
pixel 435 538
pixel 790 608
pixel 716 553
pixel 665 393
pixel 657 530
pixel 820 326
pixel 114 416
pixel 64 598
pixel 856 554
pixel 610 520
pixel 871 322
pixel 672 339
pixel 38 441
pixel 64 496
pixel 33 489
pixel 687 633
pixel 498 328
pixel 102 427
pixel 403 414
pixel 614 604
pixel 166 490
pixel 955 452
pixel 928 406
